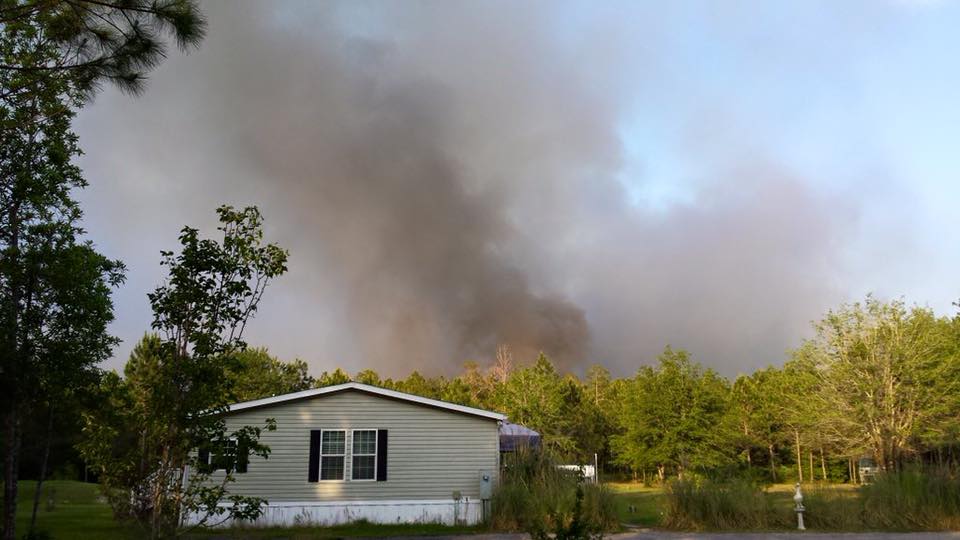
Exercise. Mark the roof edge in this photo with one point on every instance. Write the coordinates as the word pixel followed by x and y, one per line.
pixel 376 390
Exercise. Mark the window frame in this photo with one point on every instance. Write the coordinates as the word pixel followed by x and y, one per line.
pixel 213 456
pixel 353 437
pixel 321 455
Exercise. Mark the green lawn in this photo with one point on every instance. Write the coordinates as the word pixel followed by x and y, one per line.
pixel 71 510
pixel 637 505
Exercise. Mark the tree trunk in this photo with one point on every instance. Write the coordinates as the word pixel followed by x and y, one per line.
pixel 823 465
pixel 773 463
pixel 43 469
pixel 11 448
pixel 799 458
pixel 813 477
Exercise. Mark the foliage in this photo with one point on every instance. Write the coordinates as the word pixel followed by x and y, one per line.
pixel 143 438
pixel 55 304
pixel 885 373
pixel 90 41
pixel 536 496
pixel 673 416
pixel 253 373
pixel 56 287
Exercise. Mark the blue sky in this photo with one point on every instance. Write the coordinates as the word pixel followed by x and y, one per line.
pixel 597 180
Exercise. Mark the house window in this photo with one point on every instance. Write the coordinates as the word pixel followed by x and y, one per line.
pixel 364 454
pixel 333 448
pixel 221 457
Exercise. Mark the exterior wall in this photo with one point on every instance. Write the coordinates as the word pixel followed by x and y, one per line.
pixel 431 453
pixel 448 512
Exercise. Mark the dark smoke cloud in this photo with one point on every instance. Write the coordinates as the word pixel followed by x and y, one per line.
pixel 447 177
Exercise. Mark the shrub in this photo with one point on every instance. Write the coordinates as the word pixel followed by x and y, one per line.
pixel 537 497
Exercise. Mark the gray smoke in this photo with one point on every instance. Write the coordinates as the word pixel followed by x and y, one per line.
pixel 449 177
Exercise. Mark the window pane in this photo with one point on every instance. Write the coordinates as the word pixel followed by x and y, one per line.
pixel 363 467
pixel 333 442
pixel 331 468
pixel 365 442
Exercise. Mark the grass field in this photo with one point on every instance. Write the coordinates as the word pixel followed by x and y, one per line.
pixel 638 505
pixel 71 510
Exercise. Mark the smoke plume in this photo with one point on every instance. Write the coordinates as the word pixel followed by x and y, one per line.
pixel 452 176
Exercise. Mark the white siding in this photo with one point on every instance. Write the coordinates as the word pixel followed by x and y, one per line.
pixel 431 452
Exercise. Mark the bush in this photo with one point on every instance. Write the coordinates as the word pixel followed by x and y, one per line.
pixel 536 497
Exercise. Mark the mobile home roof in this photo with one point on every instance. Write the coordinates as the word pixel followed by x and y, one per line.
pixel 376 390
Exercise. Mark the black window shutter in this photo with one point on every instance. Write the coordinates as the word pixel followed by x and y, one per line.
pixel 203 458
pixel 313 474
pixel 242 458
pixel 381 455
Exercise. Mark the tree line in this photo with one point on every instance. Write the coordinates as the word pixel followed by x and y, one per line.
pixel 878 379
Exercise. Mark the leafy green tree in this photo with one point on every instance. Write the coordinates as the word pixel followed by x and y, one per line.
pixel 942 431
pixel 53 54
pixel 795 400
pixel 56 288
pixel 597 415
pixel 337 376
pixel 417 384
pixel 882 371
pixel 176 384
pixel 368 376
pixel 674 417
pixel 756 405
pixel 539 397
pixel 254 373
pixel 457 391
pixel 70 298
pixel 480 384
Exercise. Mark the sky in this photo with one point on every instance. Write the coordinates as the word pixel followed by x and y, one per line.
pixel 595 180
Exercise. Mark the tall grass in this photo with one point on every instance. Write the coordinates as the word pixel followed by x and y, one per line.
pixel 738 504
pixel 901 501
pixel 913 500
pixel 537 497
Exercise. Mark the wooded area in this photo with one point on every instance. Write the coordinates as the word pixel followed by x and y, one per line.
pixel 879 380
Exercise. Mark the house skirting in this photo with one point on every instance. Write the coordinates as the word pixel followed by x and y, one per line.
pixel 446 511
